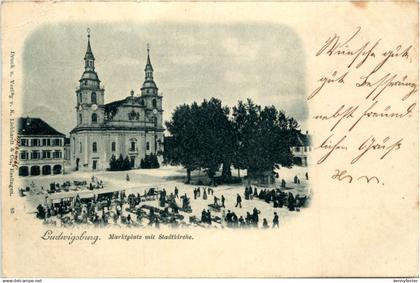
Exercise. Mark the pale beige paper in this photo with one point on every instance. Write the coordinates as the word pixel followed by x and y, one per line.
pixel 353 229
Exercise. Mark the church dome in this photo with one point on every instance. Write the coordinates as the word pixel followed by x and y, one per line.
pixel 89 75
pixel 149 84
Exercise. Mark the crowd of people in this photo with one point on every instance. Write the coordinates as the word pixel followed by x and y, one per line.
pixel 277 197
pixel 135 209
pixel 66 186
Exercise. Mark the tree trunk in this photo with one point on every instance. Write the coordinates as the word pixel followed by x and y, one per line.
pixel 239 172
pixel 188 176
pixel 226 173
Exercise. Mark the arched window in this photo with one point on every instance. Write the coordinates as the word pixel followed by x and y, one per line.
pixel 113 146
pixel 142 102
pixel 80 118
pixel 57 169
pixel 80 147
pixel 147 146
pixel 94 118
pixel 23 171
pixel 35 171
pixel 133 146
pixel 94 147
pixel 154 103
pixel 93 97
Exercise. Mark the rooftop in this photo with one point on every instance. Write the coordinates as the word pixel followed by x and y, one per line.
pixel 302 140
pixel 36 127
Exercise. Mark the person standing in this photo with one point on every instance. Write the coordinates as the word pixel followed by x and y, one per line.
pixel 176 192
pixel 204 216
pixel 276 220
pixel 265 223
pixel 209 216
pixel 238 201
pixel 216 201
pixel 255 217
pixel 223 201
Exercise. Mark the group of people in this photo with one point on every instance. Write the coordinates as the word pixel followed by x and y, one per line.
pixel 251 220
pixel 206 217
pixel 206 192
pixel 95 210
pixel 135 199
pixel 118 208
pixel 115 207
pixel 170 199
pixel 66 186
pixel 276 196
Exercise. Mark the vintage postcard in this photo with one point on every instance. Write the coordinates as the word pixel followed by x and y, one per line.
pixel 210 139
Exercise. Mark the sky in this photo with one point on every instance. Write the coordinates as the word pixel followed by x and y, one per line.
pixel 191 61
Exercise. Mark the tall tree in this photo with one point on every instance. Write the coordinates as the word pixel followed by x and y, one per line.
pixel 216 137
pixel 264 138
pixel 182 149
pixel 202 138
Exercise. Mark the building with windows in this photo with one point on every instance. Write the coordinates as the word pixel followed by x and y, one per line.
pixel 41 148
pixel 301 148
pixel 129 127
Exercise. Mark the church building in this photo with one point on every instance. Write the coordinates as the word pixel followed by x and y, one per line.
pixel 129 127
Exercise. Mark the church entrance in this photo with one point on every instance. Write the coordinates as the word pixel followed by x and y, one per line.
pixel 132 161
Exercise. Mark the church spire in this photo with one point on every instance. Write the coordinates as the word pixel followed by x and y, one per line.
pixel 149 87
pixel 89 58
pixel 148 69
pixel 89 76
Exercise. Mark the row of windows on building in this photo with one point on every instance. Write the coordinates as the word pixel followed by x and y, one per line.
pixel 113 146
pixel 94 118
pixel 37 154
pixel 41 142
pixel 36 170
pixel 304 148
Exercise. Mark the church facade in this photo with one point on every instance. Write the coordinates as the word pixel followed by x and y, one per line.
pixel 131 127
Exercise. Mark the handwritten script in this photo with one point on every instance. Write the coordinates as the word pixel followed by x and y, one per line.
pixel 382 91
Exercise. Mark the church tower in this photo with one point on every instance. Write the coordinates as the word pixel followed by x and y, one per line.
pixel 153 103
pixel 90 95
pixel 149 93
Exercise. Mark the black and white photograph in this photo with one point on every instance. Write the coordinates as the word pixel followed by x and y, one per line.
pixel 164 125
